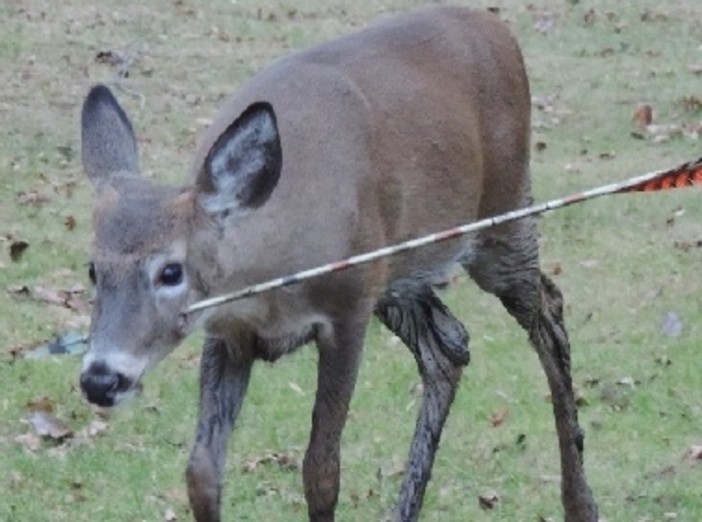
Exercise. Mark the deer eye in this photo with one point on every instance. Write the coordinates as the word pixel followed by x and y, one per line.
pixel 91 273
pixel 171 275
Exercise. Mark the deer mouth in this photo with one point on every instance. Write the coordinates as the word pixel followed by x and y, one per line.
pixel 106 387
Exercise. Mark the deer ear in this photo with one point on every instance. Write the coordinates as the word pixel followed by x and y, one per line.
pixel 108 143
pixel 243 166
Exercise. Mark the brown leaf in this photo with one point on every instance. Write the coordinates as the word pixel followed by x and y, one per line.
pixel 643 115
pixel 284 460
pixel 67 297
pixel 41 403
pixel 50 295
pixel 589 17
pixel 689 103
pixel 17 248
pixel 554 268
pixel 110 58
pixel 498 418
pixel 488 500
pixel 32 197
pixel 69 222
pixel 49 426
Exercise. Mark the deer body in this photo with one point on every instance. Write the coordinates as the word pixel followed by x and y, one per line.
pixel 412 126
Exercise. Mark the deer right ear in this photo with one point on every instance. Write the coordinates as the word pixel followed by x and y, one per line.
pixel 108 143
pixel 243 166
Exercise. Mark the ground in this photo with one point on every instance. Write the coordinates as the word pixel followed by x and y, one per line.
pixel 617 91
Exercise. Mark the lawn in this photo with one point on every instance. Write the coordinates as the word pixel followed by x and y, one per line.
pixel 627 265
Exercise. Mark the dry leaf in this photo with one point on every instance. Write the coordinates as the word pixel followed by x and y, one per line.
pixel 30 441
pixel 32 197
pixel 694 453
pixel 284 460
pixel 488 500
pixel 589 17
pixel 69 222
pixel 643 116
pixel 17 248
pixel 49 426
pixel 67 297
pixel 497 418
pixel 18 289
pixel 689 103
pixel 41 403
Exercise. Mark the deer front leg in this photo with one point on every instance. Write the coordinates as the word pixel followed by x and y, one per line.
pixel 224 378
pixel 439 344
pixel 339 357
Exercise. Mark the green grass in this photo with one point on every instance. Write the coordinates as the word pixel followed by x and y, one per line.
pixel 619 269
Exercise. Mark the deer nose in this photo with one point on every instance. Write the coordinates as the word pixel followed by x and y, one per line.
pixel 101 385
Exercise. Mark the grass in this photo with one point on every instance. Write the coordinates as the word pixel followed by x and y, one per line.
pixel 618 260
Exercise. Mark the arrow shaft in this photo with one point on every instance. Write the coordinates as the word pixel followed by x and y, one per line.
pixel 685 175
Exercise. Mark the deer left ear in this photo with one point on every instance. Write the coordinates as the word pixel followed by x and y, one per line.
pixel 243 166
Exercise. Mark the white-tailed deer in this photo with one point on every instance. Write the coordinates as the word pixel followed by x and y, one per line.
pixel 414 125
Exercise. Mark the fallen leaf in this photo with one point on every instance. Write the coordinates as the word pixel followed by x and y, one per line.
pixel 498 418
pixel 554 268
pixel 284 460
pixel 686 246
pixel 488 500
pixel 32 197
pixel 69 222
pixel 49 426
pixel 110 58
pixel 643 115
pixel 694 453
pixel 589 17
pixel 30 441
pixel 96 427
pixel 17 248
pixel 18 289
pixel 41 403
pixel 169 515
pixel 672 325
pixel 67 297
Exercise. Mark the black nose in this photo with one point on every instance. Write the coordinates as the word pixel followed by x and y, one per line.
pixel 101 385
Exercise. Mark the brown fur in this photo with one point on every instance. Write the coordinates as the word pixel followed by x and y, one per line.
pixel 414 125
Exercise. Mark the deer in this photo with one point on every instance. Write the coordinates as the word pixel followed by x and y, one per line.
pixel 419 122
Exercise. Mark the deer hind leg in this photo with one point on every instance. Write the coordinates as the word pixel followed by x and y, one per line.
pixel 224 379
pixel 439 343
pixel 506 264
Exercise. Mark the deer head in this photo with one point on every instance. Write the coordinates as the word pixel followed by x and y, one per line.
pixel 152 244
